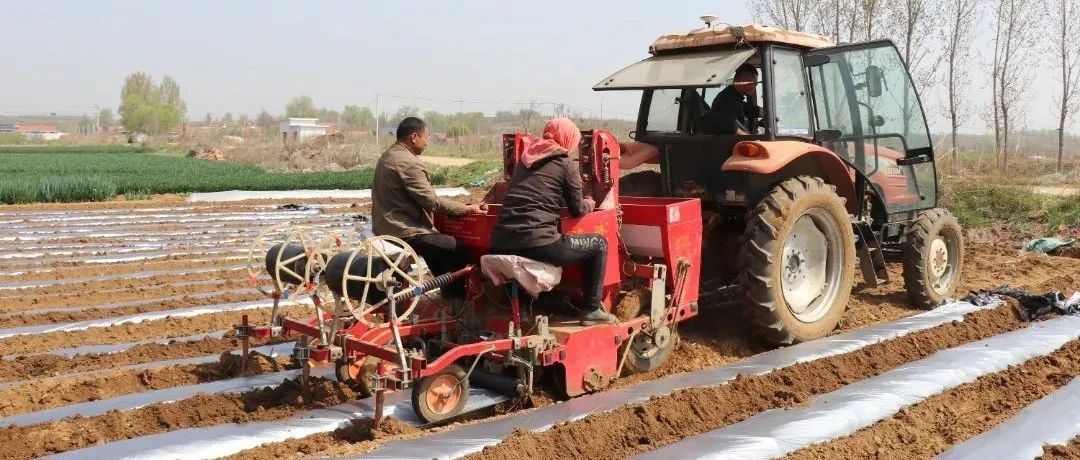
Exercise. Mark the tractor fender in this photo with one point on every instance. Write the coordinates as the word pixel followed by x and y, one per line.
pixel 769 157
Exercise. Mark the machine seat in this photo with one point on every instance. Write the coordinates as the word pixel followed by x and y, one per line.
pixel 532 276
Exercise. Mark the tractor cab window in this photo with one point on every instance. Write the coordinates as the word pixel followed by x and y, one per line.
pixel 664 111
pixel 792 100
pixel 864 92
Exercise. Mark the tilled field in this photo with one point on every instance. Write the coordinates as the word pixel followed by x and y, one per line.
pixel 114 323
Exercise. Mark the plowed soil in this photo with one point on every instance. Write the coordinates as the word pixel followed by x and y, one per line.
pixel 146 330
pixel 25 301
pixel 357 436
pixel 94 288
pixel 173 263
pixel 27 319
pixel 1070 451
pixel 198 411
pixel 664 420
pixel 61 391
pixel 719 335
pixel 40 366
pixel 932 426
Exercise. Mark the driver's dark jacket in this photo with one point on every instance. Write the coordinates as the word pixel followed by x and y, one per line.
pixel 729 111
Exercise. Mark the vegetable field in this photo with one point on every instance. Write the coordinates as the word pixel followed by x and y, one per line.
pixel 30 175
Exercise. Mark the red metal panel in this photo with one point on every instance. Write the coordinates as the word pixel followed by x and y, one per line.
pixel 590 350
pixel 680 225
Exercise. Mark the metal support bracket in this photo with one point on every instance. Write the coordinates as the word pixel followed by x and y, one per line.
pixel 658 304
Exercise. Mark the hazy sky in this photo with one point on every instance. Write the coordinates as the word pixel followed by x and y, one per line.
pixel 240 57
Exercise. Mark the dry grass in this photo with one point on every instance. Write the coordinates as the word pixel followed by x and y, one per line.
pixel 1022 170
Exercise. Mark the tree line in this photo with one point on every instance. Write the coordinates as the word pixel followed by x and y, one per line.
pixel 935 38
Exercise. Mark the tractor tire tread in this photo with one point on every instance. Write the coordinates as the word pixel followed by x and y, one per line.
pixel 756 256
pixel 916 238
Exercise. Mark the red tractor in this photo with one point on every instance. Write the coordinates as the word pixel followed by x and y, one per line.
pixel 838 171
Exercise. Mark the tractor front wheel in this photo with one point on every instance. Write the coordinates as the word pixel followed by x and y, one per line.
pixel 797 261
pixel 933 257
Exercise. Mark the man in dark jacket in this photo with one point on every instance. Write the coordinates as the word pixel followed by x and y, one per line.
pixel 404 203
pixel 731 112
pixel 544 182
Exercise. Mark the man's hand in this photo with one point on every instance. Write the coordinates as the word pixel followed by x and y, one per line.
pixel 590 203
pixel 476 208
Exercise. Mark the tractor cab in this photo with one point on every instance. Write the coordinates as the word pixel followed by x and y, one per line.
pixel 855 103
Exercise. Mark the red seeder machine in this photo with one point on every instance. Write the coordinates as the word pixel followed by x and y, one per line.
pixel 389 330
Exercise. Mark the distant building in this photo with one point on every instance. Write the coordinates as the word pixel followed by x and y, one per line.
pixel 9 127
pixel 41 132
pixel 300 130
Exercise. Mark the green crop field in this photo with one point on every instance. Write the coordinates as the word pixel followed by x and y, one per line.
pixel 95 175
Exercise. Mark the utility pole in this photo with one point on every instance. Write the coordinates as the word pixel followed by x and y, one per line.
pixel 601 109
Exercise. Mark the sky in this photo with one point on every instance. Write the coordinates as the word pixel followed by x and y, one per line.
pixel 70 57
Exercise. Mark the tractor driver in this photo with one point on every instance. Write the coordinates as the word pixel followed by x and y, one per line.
pixel 732 111
pixel 403 203
pixel 544 182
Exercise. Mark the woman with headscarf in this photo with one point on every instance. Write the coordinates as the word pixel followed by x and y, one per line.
pixel 545 181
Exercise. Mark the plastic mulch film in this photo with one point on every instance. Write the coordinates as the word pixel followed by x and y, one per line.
pixel 1054 419
pixel 122 276
pixel 222 440
pixel 136 400
pixel 268 350
pixel 80 214
pixel 158 219
pixel 140 317
pixel 472 438
pixel 127 303
pixel 118 347
pixel 239 195
pixel 829 416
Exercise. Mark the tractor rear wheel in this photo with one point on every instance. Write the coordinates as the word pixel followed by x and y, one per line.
pixel 797 261
pixel 933 257
pixel 641 183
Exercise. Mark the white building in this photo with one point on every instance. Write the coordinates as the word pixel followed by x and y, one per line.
pixel 299 130
pixel 44 135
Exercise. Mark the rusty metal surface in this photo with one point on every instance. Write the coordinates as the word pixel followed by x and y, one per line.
pixel 725 35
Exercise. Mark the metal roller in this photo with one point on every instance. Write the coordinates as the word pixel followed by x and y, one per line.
pixel 335 269
pixel 283 251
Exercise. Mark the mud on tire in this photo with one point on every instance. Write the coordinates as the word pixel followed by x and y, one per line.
pixel 771 240
pixel 933 257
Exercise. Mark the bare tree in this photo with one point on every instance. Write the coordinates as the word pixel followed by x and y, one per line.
pixel 909 23
pixel 788 14
pixel 869 16
pixel 830 17
pixel 961 18
pixel 1016 35
pixel 912 21
pixel 1066 29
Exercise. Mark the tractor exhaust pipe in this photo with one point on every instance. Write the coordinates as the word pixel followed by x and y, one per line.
pixel 502 384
